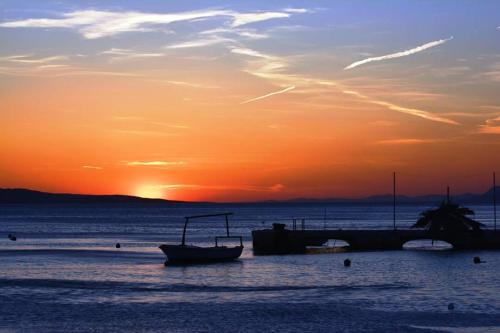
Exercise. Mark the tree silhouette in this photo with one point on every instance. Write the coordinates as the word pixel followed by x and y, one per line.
pixel 448 218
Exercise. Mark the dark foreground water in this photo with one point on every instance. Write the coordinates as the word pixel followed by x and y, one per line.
pixel 63 274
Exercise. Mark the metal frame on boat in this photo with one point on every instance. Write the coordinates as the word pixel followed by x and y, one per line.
pixel 186 254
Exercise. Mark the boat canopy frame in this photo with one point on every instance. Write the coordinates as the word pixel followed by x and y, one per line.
pixel 188 218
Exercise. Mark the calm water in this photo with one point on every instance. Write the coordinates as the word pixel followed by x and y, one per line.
pixel 64 274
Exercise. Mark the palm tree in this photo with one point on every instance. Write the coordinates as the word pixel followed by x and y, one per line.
pixel 449 218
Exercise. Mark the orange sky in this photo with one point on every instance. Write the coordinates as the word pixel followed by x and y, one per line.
pixel 90 117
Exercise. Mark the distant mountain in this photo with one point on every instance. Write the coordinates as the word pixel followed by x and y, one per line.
pixel 466 198
pixel 24 196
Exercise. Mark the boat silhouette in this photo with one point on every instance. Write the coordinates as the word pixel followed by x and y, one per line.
pixel 190 254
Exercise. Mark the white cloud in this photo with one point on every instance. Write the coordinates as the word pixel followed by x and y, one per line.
pixel 200 43
pixel 250 52
pixel 126 54
pixel 53 66
pixel 282 91
pixel 296 10
pixel 92 167
pixel 247 33
pixel 399 54
pixel 29 65
pixel 251 34
pixel 28 59
pixel 94 24
pixel 154 163
pixel 247 18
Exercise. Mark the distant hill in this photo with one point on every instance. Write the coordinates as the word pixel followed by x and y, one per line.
pixel 466 198
pixel 24 196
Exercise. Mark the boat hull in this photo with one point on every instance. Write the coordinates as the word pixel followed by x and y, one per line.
pixel 185 254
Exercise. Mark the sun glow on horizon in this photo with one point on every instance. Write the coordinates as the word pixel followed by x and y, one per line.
pixel 149 192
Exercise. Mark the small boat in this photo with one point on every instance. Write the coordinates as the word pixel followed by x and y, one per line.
pixel 188 254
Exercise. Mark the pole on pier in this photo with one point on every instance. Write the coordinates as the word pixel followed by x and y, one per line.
pixel 184 231
pixel 227 226
pixel 394 200
pixel 494 202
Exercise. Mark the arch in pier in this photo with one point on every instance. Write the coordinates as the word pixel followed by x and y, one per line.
pixel 337 243
pixel 427 244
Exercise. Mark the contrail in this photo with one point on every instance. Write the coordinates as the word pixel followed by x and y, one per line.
pixel 268 95
pixel 399 54
pixel 414 112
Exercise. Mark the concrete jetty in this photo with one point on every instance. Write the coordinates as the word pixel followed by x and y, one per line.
pixel 280 240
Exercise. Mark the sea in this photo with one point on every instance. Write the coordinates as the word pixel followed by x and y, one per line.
pixel 65 274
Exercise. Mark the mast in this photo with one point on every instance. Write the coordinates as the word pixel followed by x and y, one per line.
pixel 447 194
pixel 184 231
pixel 494 202
pixel 394 200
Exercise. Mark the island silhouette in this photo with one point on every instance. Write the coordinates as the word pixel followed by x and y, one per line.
pixel 28 196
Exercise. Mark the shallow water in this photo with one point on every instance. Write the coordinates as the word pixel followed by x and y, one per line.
pixel 64 274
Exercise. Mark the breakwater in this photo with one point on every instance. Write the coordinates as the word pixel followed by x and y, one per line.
pixel 280 240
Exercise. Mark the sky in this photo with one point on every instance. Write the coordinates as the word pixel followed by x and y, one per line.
pixel 249 100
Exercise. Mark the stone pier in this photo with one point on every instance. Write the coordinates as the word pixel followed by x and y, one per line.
pixel 279 240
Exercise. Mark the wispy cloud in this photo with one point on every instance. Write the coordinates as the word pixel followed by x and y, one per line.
pixel 399 54
pixel 242 32
pixel 29 59
pixel 297 10
pixel 405 141
pixel 491 126
pixel 250 188
pixel 273 68
pixel 247 18
pixel 154 163
pixel 250 52
pixel 94 24
pixel 126 54
pixel 266 66
pixel 52 66
pixel 30 65
pixel 493 72
pixel 268 95
pixel 414 112
pixel 92 167
pixel 143 132
pixel 199 43
pixel 189 84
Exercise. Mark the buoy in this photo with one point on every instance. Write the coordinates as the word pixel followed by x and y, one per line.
pixel 451 306
pixel 477 260
pixel 118 245
pixel 12 237
pixel 347 263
